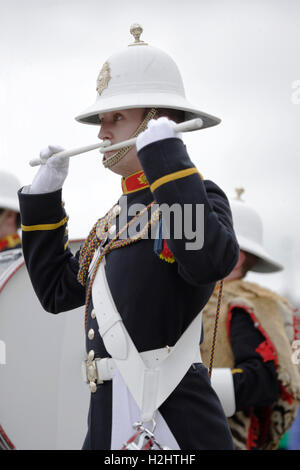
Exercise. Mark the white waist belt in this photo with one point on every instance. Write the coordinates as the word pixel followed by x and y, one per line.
pixel 104 368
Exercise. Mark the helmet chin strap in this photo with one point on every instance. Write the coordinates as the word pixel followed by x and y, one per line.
pixel 116 157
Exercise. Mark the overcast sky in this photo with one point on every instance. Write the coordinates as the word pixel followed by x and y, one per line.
pixel 240 60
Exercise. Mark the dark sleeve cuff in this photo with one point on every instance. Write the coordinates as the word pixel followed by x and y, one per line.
pixel 163 158
pixel 206 249
pixel 39 209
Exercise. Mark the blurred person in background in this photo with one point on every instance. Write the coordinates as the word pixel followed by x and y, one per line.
pixel 253 373
pixel 10 241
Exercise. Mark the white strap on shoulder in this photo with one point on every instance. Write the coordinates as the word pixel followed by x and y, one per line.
pixel 150 387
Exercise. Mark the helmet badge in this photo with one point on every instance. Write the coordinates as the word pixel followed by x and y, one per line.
pixel 103 78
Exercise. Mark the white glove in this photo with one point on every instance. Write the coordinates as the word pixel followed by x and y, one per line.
pixel 52 174
pixel 158 129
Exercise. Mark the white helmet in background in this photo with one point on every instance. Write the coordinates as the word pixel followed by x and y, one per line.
pixel 141 76
pixel 248 228
pixel 9 186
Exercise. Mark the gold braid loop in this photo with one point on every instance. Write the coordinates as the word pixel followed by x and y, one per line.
pixel 92 243
pixel 115 243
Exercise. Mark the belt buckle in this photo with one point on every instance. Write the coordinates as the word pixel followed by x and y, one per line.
pixel 92 374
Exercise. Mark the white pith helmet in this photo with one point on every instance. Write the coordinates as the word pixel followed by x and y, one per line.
pixel 248 228
pixel 141 76
pixel 9 186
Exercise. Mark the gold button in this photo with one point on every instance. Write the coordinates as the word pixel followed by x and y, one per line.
pixel 91 355
pixel 93 313
pixel 91 334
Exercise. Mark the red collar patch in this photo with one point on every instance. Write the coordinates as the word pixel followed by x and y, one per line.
pixel 134 182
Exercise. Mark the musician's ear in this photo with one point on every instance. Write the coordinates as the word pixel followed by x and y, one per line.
pixel 175 115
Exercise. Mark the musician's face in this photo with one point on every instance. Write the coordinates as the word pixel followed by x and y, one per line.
pixel 117 126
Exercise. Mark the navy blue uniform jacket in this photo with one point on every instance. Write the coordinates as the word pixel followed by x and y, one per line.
pixel 157 300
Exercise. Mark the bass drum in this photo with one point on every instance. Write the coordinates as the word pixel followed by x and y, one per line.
pixel 43 399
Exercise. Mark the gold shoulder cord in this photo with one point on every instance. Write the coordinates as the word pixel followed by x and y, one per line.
pixel 215 328
pixel 117 243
